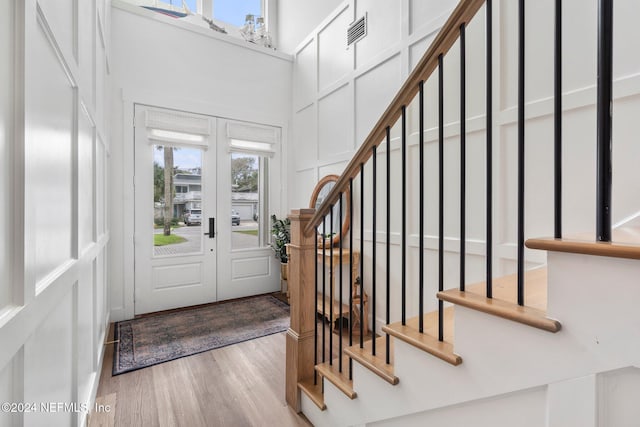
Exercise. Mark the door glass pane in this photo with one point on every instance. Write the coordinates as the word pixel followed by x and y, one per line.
pixel 247 196
pixel 177 200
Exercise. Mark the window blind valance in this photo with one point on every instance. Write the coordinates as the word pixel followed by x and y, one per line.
pixel 252 139
pixel 177 128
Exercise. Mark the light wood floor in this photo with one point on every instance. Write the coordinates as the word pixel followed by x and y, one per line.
pixel 239 385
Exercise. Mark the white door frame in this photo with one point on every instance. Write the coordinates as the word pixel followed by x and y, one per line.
pixel 122 234
pixel 244 272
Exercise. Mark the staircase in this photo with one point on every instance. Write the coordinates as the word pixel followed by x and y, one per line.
pixel 549 345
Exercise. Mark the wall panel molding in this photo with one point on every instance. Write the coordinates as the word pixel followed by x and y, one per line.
pixel 100 30
pixel 335 135
pixel 338 63
pixel 55 46
pixel 76 31
pixel 28 317
pixel 623 87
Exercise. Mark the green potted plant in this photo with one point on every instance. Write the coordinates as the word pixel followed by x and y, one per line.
pixel 280 237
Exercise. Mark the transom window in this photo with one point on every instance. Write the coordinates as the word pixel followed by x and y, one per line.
pixel 228 16
pixel 234 12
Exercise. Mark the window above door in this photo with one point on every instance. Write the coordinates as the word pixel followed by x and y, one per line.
pixel 229 15
pixel 234 12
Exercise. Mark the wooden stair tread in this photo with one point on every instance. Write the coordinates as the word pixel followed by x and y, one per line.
pixel 330 371
pixel 378 363
pixel 511 311
pixel 430 323
pixel 587 247
pixel 625 244
pixel 427 340
pixel 505 288
pixel 314 392
pixel 625 235
pixel 504 301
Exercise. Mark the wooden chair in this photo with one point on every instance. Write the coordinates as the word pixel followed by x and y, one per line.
pixel 355 295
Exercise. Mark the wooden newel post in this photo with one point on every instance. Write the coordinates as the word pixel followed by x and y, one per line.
pixel 300 336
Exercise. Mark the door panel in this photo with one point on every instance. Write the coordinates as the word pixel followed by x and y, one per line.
pixel 174 267
pixel 248 182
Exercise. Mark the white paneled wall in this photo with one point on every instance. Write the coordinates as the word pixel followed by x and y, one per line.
pixel 385 30
pixel 334 141
pixel 6 154
pixel 616 404
pixel 334 63
pixel 48 360
pixel 6 392
pixel 296 18
pixel 86 342
pixel 86 181
pixel 340 93
pixel 50 102
pixel 100 305
pixel 306 75
pixel 372 97
pixel 426 13
pixel 54 150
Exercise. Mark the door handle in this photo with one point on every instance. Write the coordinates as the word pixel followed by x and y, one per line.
pixel 212 228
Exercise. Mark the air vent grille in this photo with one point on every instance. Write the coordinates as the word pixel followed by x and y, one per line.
pixel 357 30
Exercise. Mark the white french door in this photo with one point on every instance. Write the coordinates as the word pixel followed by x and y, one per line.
pixel 175 268
pixel 220 189
pixel 249 185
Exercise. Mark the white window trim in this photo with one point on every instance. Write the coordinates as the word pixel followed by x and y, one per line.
pixel 129 6
pixel 206 7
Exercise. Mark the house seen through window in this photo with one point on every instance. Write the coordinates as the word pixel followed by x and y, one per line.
pixel 248 192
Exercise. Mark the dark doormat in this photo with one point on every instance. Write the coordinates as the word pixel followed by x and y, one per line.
pixel 148 341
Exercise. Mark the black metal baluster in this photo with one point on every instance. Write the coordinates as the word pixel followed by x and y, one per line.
pixel 557 120
pixel 324 291
pixel 421 209
pixel 331 282
pixel 521 165
pixel 374 175
pixel 604 121
pixel 404 215
pixel 388 272
pixel 489 150
pixel 315 307
pixel 362 331
pixel 340 286
pixel 440 196
pixel 351 278
pixel 463 155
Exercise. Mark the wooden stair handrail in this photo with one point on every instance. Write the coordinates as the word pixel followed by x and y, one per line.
pixel 447 36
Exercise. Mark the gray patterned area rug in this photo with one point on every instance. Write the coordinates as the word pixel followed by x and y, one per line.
pixel 148 341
